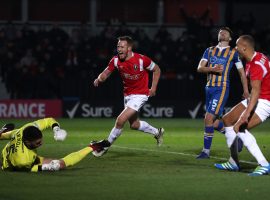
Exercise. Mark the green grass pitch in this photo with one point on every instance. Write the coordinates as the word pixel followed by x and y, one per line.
pixel 135 168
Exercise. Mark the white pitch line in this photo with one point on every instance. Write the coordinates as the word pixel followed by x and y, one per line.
pixel 179 153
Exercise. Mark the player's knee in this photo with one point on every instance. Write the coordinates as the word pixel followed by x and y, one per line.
pixel 135 125
pixel 227 121
pixel 209 119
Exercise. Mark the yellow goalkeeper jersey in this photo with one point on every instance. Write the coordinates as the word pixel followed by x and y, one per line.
pixel 15 155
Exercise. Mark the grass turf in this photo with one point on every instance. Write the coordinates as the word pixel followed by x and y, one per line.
pixel 134 168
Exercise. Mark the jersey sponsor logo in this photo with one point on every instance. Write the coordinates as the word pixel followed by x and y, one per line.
pixel 131 77
pixel 216 60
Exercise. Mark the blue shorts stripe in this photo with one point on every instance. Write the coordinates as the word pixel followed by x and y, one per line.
pixel 216 98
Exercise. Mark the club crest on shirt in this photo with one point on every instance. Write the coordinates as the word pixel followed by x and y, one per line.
pixel 135 67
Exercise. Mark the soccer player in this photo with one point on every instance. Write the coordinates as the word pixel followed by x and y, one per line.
pixel 20 152
pixel 217 62
pixel 250 112
pixel 133 69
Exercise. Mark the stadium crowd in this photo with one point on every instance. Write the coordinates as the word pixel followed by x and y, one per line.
pixel 55 64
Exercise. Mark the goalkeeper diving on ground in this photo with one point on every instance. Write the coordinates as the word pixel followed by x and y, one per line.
pixel 20 153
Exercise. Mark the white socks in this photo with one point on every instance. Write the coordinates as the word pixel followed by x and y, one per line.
pixel 249 141
pixel 252 146
pixel 144 126
pixel 230 135
pixel 147 128
pixel 114 134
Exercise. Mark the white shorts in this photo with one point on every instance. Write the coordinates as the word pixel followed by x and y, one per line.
pixel 135 101
pixel 262 108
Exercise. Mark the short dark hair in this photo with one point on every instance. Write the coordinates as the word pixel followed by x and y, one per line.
pixel 31 133
pixel 226 28
pixel 126 38
pixel 249 40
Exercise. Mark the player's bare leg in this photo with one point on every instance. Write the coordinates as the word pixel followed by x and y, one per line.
pixel 229 120
pixel 137 124
pixel 219 126
pixel 124 116
pixel 116 131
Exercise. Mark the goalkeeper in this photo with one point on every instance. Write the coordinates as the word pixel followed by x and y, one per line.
pixel 20 152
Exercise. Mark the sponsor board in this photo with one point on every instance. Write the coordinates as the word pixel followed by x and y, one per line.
pixel 76 109
pixel 30 108
pixel 154 109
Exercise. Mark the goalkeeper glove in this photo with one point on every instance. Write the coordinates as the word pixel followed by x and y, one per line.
pixel 59 134
pixel 54 165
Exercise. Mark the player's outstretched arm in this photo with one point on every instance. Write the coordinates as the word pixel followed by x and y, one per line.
pixel 49 164
pixel 102 77
pixel 7 131
pixel 42 124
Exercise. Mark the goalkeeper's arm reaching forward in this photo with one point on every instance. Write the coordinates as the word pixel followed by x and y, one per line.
pixel 20 152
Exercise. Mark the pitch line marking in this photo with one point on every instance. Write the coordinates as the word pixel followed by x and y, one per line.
pixel 179 153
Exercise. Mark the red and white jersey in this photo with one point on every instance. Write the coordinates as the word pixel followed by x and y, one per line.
pixel 134 73
pixel 258 69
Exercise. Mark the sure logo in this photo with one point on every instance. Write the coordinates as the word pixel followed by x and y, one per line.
pixel 86 110
pixel 150 111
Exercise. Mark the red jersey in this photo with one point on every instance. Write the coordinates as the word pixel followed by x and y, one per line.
pixel 134 73
pixel 258 69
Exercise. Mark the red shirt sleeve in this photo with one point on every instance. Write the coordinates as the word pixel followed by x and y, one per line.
pixel 111 66
pixel 147 62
